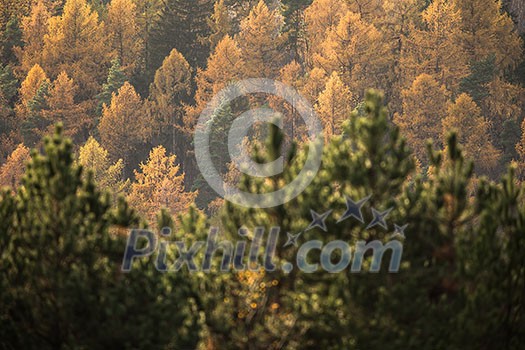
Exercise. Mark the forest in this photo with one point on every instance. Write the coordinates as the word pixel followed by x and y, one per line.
pixel 422 109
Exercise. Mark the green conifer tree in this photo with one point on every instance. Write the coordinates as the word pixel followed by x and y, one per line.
pixel 116 78
pixel 10 37
pixel 481 73
pixel 62 285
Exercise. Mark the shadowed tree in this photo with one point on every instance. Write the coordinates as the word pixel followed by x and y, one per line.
pixel 424 108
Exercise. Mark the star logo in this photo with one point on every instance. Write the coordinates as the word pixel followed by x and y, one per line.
pixel 353 209
pixel 399 231
pixel 318 220
pixel 292 239
pixel 379 218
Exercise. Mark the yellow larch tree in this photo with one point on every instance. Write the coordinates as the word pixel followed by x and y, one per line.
pixel 34 29
pixel 62 107
pixel 355 49
pixel 34 79
pixel 123 33
pixel 261 42
pixel 367 9
pixel 321 17
pixel 487 29
pixel 400 17
pixel 465 117
pixel 75 44
pixel 314 84
pixel 436 49
pixel 123 125
pixel 107 175
pixel 292 75
pixel 505 101
pixel 12 170
pixel 159 184
pixel 424 107
pixel 334 106
pixel 168 94
pixel 225 65
pixel 32 102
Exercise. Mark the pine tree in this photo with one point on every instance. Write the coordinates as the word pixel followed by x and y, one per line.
pixel 10 38
pixel 490 259
pixel 146 16
pixel 510 136
pixel 520 149
pixel 33 122
pixel 397 21
pixel 34 79
pixel 158 185
pixel 220 124
pixel 9 123
pixel 504 102
pixel 33 93
pixel 116 78
pixel 39 101
pixel 261 303
pixel 59 260
pixel 221 121
pixel 476 83
pixel 294 27
pixel 455 237
pixel 8 85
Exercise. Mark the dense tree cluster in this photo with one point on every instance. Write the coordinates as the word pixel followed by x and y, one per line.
pixel 136 74
pixel 126 80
